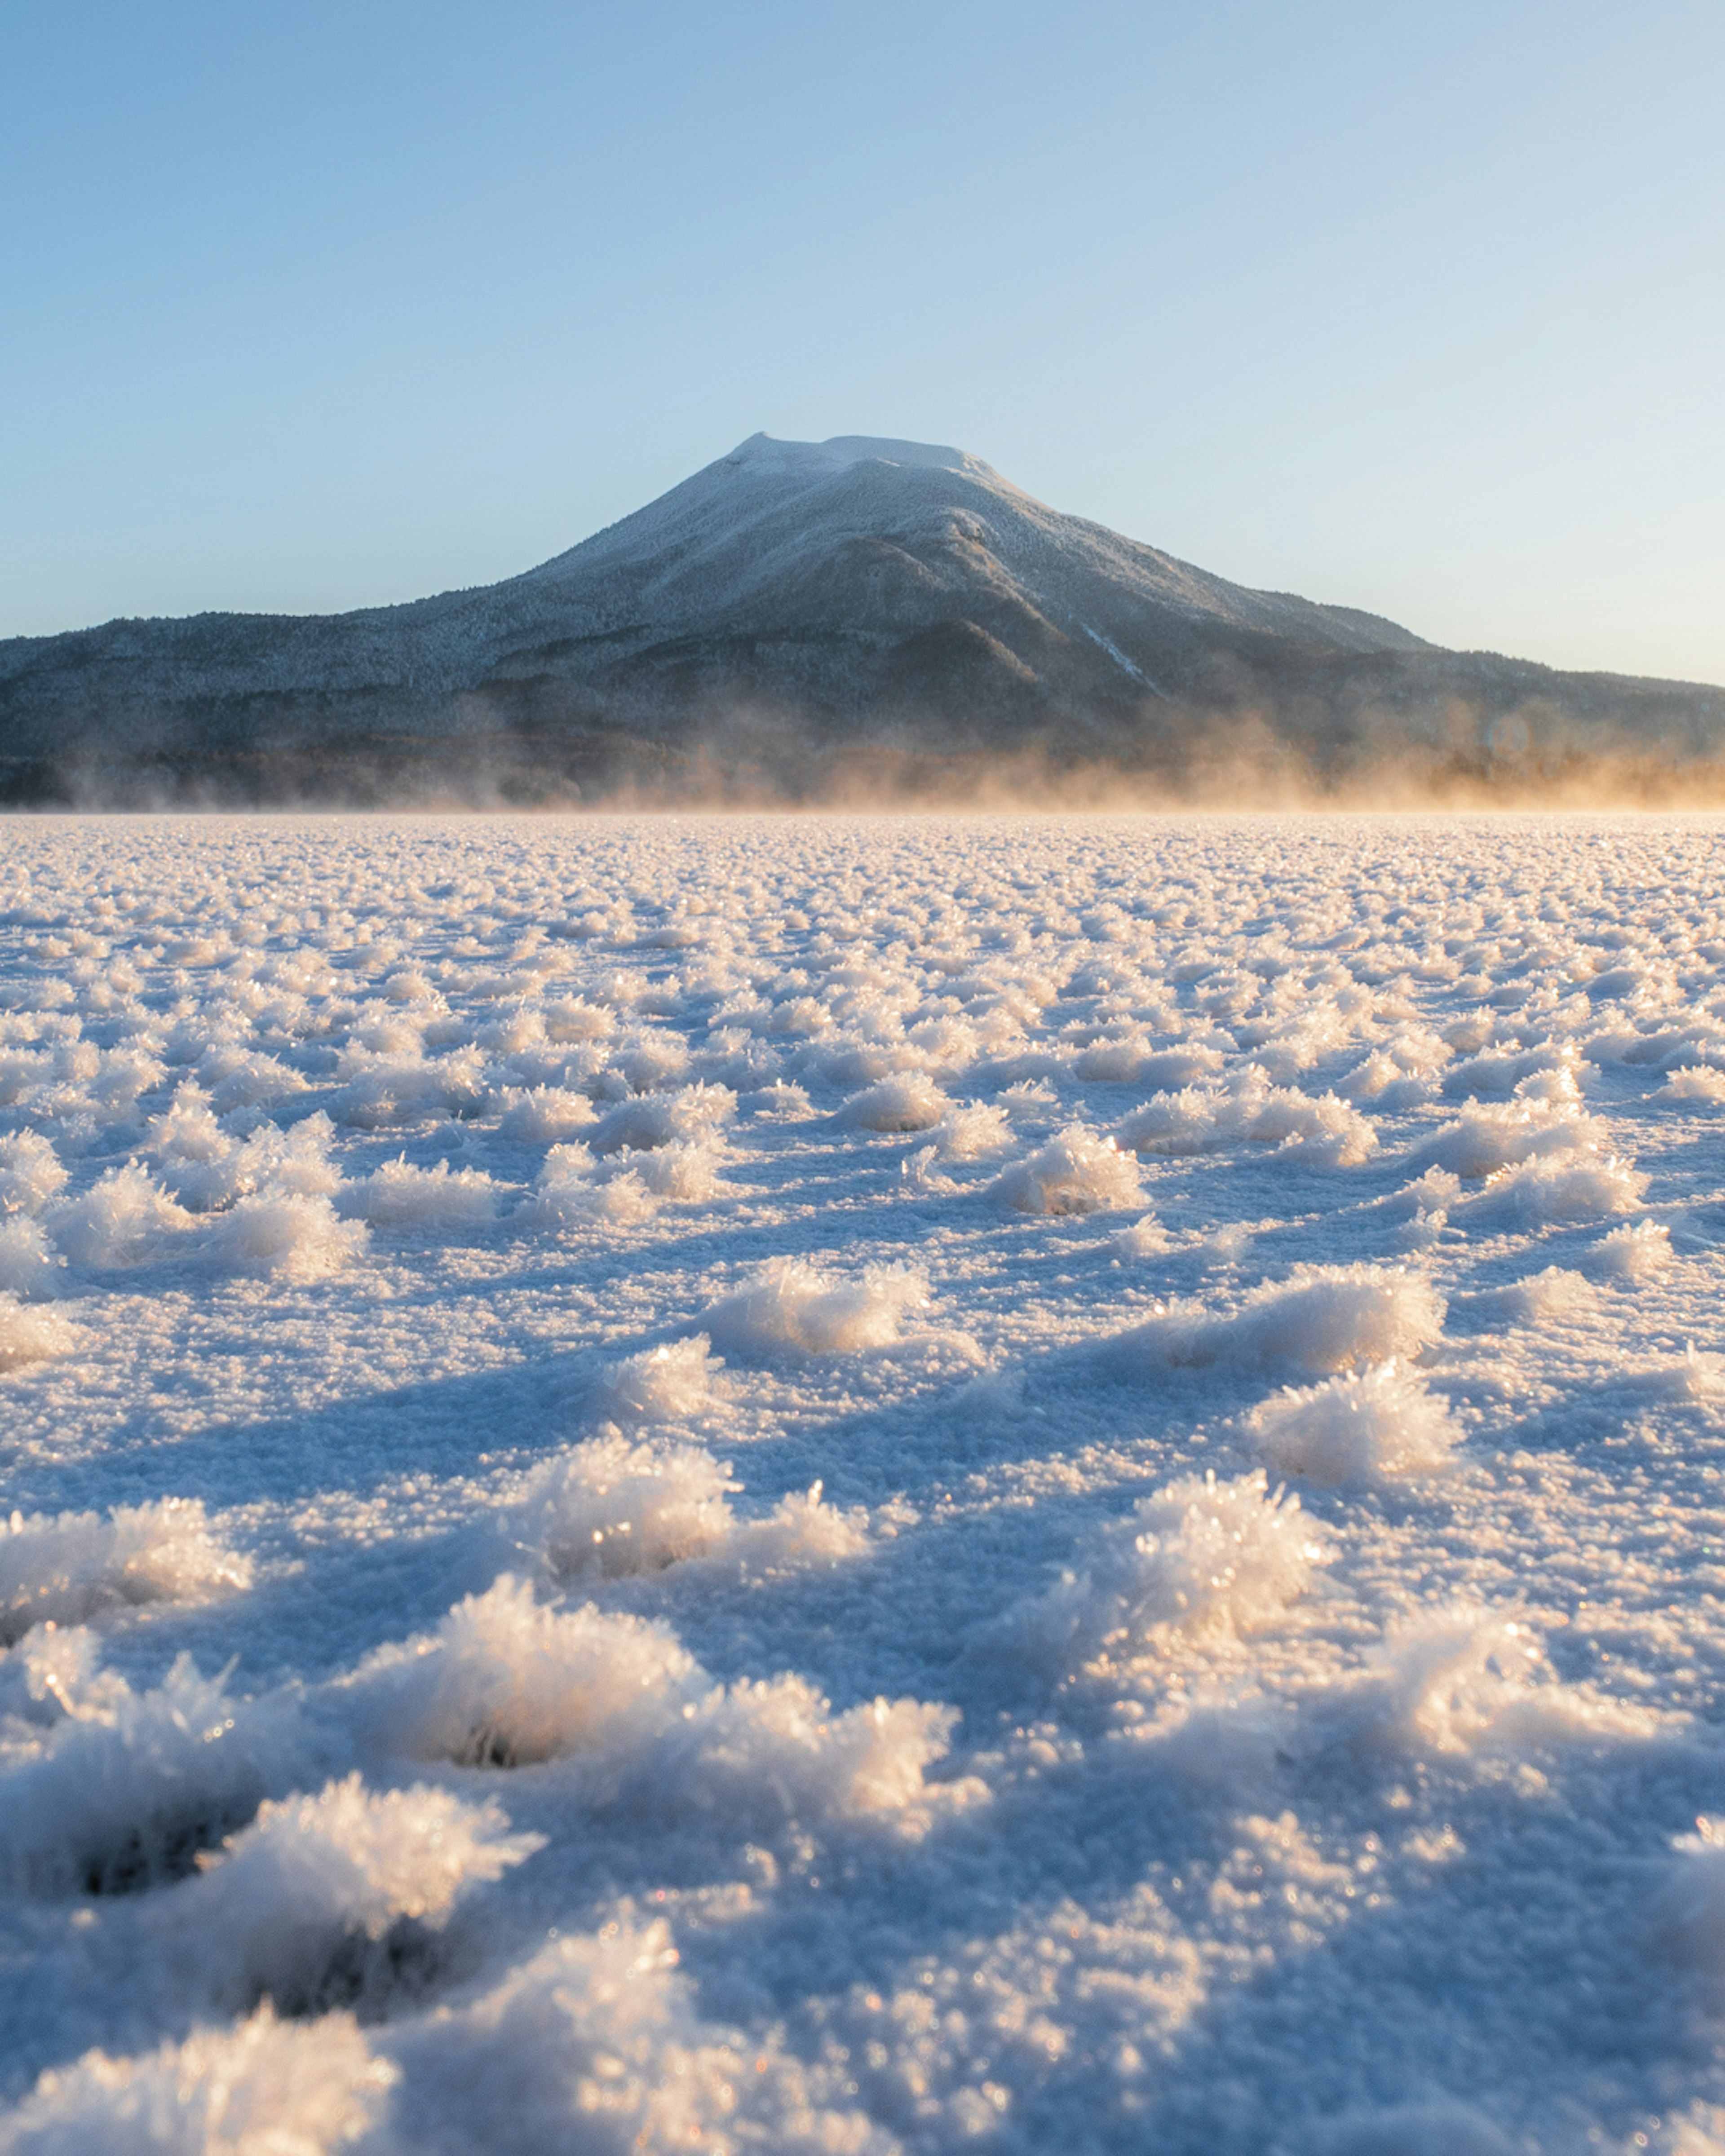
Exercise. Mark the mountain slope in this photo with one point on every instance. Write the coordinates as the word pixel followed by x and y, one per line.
pixel 795 601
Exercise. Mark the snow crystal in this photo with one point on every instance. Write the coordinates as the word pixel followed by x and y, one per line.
pixel 1696 1081
pixel 1452 1681
pixel 31 1172
pixel 1133 1061
pixel 602 2030
pixel 1484 1140
pixel 973 1132
pixel 31 1336
pixel 1382 1421
pixel 123 1789
pixel 1691 1376
pixel 205 1166
pixel 281 1232
pixel 383 1091
pixel 1203 1559
pixel 615 1506
pixel 1321 1319
pixel 668 1384
pixel 574 1190
pixel 1641 1252
pixel 301 1906
pixel 1572 1183
pixel 507 1680
pixel 1555 1293
pixel 68 1569
pixel 1326 1131
pixel 573 1017
pixel 1076 1172
pixel 1146 1237
pixel 664 1119
pixel 264 2087
pixel 124 1219
pixel 907 1100
pixel 28 1266
pixel 790 1304
pixel 545 1115
pixel 400 1195
pixel 769 1751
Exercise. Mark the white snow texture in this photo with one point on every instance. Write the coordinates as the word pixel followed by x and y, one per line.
pixel 862 1486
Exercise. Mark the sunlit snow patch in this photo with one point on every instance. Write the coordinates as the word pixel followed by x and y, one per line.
pixel 105 1790
pixel 31 1172
pixel 31 1336
pixel 1203 1560
pixel 125 1218
pixel 399 1195
pixel 1357 1427
pixel 1641 1252
pixel 68 1569
pixel 295 1237
pixel 311 1905
pixel 791 1304
pixel 1075 1172
pixel 508 1682
pixel 263 2088
pixel 616 1506
pixel 599 2030
pixel 1696 1081
pixel 1327 1132
pixel 907 1101
pixel 1321 1319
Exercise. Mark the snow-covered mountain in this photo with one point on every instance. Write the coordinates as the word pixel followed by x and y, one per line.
pixel 826 598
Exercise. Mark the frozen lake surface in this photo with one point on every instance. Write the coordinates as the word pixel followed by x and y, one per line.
pixel 847 1485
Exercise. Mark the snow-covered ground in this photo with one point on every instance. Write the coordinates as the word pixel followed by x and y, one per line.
pixel 809 1484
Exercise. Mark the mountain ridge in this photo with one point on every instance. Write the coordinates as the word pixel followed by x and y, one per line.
pixel 859 597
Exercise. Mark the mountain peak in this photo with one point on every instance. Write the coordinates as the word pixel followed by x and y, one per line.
pixel 766 453
pixel 859 596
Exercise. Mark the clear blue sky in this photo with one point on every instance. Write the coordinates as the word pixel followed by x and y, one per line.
pixel 1418 308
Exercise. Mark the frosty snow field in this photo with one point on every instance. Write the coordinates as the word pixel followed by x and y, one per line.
pixel 850 1485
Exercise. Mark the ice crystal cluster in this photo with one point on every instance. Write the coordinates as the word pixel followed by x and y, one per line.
pixel 862 1485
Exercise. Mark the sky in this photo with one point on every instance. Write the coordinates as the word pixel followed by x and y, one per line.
pixel 1417 308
